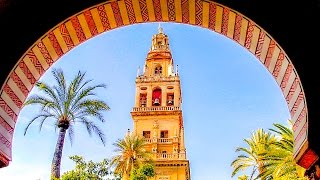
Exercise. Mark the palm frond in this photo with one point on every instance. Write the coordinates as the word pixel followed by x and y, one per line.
pixel 32 120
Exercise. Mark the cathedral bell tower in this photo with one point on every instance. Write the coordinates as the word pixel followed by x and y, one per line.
pixel 157 114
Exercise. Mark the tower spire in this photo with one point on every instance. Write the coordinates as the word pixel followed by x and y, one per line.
pixel 160 29
pixel 160 41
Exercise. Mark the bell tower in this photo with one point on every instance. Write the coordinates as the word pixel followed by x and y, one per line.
pixel 157 113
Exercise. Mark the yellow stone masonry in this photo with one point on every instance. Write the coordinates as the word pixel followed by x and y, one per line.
pixel 157 114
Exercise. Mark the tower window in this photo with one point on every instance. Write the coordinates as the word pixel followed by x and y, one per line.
pixel 170 99
pixel 146 134
pixel 143 100
pixel 164 134
pixel 156 97
pixel 158 70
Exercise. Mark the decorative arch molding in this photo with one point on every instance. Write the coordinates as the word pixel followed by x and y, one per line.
pixel 111 15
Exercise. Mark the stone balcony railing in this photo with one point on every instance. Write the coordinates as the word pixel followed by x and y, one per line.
pixel 160 140
pixel 168 156
pixel 157 108
pixel 165 140
pixel 148 140
pixel 141 79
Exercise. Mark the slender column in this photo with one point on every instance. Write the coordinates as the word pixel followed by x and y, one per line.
pixel 135 126
pixel 164 96
pixel 177 94
pixel 149 96
pixel 137 103
pixel 182 146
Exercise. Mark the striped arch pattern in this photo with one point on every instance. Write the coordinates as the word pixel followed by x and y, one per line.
pixel 110 15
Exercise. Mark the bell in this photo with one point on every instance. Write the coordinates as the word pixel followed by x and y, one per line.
pixel 156 102
pixel 143 103
pixel 170 102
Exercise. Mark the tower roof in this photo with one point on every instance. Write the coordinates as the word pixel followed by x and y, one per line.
pixel 160 41
pixel 160 29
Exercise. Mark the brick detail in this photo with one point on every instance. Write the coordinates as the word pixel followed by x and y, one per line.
pixel 212 16
pixel 171 10
pixel 4 159
pixel 249 35
pixel 12 96
pixel 77 27
pixel 237 28
pixel 302 131
pixel 116 12
pixel 19 83
pixel 130 11
pixel 271 48
pixel 103 17
pixel 5 141
pixel 4 124
pixel 225 19
pixel 66 36
pixel 27 72
pixel 292 89
pixel 89 19
pixel 45 53
pixel 287 74
pixel 157 10
pixel 296 104
pixel 8 110
pixel 35 62
pixel 185 11
pixel 279 63
pixel 300 117
pixel 144 10
pixel 199 9
pixel 55 44
pixel 262 35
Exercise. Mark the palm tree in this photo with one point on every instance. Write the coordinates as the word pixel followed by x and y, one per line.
pixel 280 161
pixel 243 177
pixel 130 154
pixel 67 104
pixel 252 156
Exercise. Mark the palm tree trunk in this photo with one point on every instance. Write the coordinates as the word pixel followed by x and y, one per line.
pixel 125 176
pixel 56 161
pixel 260 171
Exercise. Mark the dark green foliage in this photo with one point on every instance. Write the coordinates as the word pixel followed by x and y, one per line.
pixel 143 173
pixel 88 170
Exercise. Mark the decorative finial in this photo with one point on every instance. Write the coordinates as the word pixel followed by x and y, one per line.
pixel 160 30
pixel 177 71
pixel 138 72
pixel 128 132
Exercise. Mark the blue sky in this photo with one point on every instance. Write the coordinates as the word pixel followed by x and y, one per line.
pixel 227 94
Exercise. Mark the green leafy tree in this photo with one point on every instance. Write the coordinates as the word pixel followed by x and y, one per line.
pixel 88 170
pixel 273 158
pixel 145 172
pixel 279 162
pixel 243 177
pixel 251 157
pixel 130 155
pixel 66 104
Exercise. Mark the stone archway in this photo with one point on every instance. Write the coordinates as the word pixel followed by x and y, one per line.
pixel 110 15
